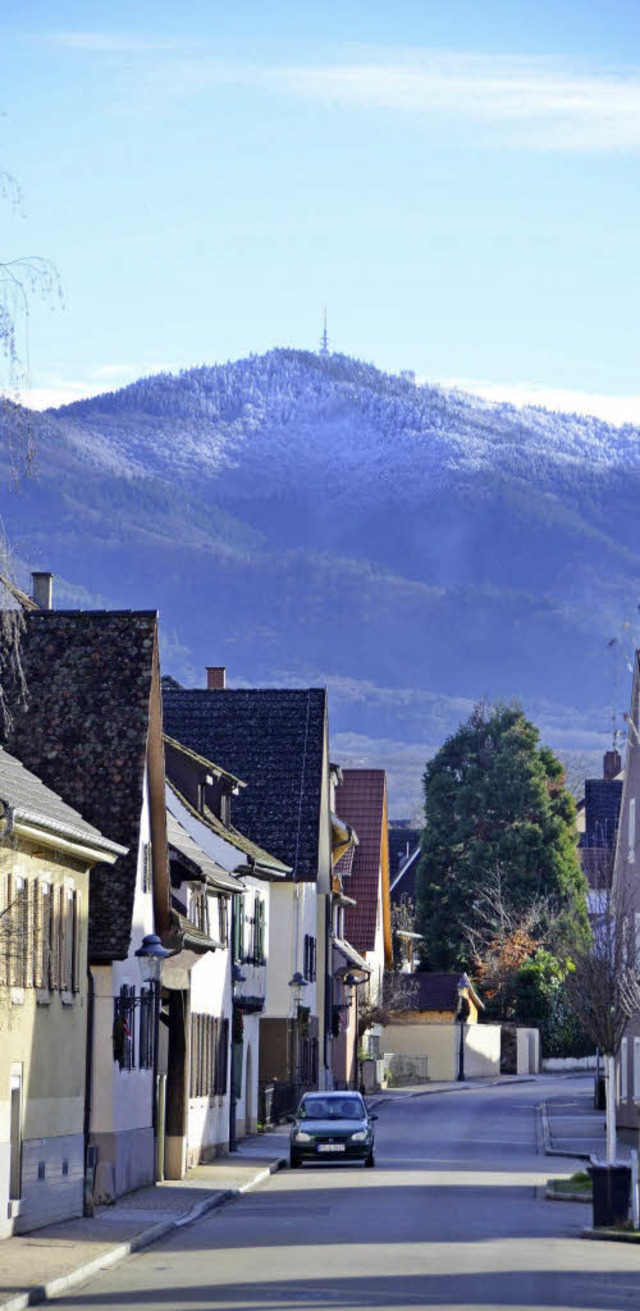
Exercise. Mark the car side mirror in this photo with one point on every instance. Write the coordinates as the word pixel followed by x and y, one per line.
pixel 291 1119
pixel 373 1117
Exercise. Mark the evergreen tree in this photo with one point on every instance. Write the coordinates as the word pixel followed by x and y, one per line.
pixel 495 801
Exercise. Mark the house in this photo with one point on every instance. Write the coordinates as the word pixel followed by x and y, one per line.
pixel 361 801
pixel 349 970
pixel 91 729
pixel 276 740
pixel 46 852
pixel 404 856
pixel 626 901
pixel 598 822
pixel 222 882
pixel 439 1021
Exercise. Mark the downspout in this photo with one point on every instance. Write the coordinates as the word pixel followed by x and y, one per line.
pixel 88 1094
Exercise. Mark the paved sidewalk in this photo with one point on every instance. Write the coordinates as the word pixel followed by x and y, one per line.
pixel 47 1262
pixel 425 1089
pixel 572 1127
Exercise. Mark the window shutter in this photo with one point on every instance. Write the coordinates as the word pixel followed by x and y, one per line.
pixel 54 937
pixel 77 943
pixel 38 918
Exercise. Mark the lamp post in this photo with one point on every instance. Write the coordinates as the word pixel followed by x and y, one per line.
pixel 297 983
pixel 236 977
pixel 464 982
pixel 150 956
pixel 353 982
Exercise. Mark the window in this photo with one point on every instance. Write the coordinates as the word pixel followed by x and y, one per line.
pixel 146 1048
pixel 147 867
pixel 42 953
pixel 16 931
pixel 223 920
pixel 209 1056
pixel 259 941
pixel 309 970
pixel 199 910
pixel 124 1030
pixel 66 939
pixel 238 926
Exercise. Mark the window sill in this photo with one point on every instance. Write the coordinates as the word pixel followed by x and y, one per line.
pixel 43 997
pixel 17 996
pixel 67 998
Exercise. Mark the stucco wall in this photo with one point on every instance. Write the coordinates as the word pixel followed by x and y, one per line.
pixel 440 1043
pixel 43 1036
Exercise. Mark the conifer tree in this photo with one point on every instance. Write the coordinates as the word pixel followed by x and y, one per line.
pixel 495 800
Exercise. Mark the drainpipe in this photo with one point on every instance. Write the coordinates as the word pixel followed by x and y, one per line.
pixel 88 1093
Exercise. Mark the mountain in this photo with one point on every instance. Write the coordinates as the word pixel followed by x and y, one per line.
pixel 307 519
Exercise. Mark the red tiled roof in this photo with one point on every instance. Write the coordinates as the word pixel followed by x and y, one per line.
pixel 360 800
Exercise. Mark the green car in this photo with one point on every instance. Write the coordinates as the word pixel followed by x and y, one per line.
pixel 332 1126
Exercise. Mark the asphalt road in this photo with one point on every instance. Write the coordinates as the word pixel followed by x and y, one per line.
pixel 451 1217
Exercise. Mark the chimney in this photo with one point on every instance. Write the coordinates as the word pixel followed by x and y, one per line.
pixel 612 764
pixel 216 678
pixel 42 586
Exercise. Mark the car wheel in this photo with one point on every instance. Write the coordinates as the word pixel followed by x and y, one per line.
pixel 294 1162
pixel 370 1161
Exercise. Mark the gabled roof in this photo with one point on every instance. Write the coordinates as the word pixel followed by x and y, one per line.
pixel 361 801
pixel 602 799
pixel 275 740
pixel 402 843
pixel 84 733
pixel 196 862
pixel 244 846
pixel 209 765
pixel 32 805
pixel 437 992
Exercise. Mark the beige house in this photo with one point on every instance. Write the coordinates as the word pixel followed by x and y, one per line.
pixel 432 1025
pixel 46 853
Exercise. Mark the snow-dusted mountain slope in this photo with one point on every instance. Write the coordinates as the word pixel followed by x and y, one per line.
pixel 304 518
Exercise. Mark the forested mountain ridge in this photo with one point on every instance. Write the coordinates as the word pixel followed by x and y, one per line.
pixel 305 518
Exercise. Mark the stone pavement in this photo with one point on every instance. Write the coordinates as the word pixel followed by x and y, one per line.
pixel 45 1263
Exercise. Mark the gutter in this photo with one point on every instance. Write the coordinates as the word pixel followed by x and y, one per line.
pixel 63 837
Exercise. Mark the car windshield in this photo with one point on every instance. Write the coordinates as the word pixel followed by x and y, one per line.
pixel 329 1108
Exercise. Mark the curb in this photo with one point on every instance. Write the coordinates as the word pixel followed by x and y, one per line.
pixel 472 1085
pixel 554 1195
pixel 146 1238
pixel 545 1133
pixel 612 1235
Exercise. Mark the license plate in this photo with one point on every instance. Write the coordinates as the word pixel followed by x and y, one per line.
pixel 330 1147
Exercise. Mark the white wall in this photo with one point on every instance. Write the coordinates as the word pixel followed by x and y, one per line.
pixel 294 912
pixel 440 1043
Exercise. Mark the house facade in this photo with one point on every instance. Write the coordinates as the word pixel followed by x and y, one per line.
pixel 92 730
pixel 46 853
pixel 276 740
pixel 626 904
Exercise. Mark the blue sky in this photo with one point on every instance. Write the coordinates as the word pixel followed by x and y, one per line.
pixel 457 181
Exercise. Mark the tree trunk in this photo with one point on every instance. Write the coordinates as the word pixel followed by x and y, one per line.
pixel 610 1085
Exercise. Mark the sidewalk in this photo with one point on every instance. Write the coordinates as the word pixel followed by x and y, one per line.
pixel 571 1127
pixel 426 1089
pixel 45 1263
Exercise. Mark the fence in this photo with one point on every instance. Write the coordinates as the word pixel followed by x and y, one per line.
pixel 276 1101
pixel 406 1070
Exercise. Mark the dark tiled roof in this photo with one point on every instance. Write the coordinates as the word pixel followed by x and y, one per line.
pixel 360 800
pixel 84 733
pixel 29 798
pixel 273 739
pixel 401 841
pixel 435 992
pixel 602 800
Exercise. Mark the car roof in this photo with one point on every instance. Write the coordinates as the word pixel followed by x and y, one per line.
pixel 328 1096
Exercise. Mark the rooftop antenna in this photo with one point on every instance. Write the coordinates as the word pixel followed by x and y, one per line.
pixel 324 340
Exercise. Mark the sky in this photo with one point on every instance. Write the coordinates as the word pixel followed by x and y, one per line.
pixel 457 182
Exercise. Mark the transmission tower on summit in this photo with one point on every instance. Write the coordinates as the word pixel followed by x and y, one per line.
pixel 324 340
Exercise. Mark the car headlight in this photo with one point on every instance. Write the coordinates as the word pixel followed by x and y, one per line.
pixel 302 1137
pixel 360 1136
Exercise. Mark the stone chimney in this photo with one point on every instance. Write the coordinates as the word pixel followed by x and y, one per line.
pixel 612 764
pixel 216 678
pixel 42 587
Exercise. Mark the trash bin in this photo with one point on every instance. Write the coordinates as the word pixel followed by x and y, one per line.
pixel 611 1194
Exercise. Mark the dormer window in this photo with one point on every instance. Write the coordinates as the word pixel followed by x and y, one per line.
pixel 201 797
pixel 225 808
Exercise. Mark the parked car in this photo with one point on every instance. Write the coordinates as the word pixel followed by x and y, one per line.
pixel 332 1126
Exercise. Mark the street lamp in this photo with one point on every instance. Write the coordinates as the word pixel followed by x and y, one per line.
pixel 150 956
pixel 464 982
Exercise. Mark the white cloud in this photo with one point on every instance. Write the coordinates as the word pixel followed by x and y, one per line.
pixel 104 377
pixel 549 104
pixel 613 409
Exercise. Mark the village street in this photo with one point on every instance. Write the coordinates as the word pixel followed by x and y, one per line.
pixel 452 1216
